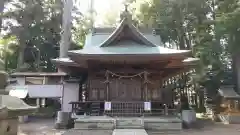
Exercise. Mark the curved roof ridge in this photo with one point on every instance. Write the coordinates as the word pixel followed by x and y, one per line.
pixel 126 22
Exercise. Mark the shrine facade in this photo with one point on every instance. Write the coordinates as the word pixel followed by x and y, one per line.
pixel 126 67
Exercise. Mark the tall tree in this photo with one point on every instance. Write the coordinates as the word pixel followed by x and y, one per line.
pixel 188 24
pixel 66 27
pixel 1 12
pixel 227 16
pixel 37 27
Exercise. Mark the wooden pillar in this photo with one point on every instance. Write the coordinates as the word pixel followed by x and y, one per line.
pixel 235 105
pixel 62 82
pixel 145 86
pixel 43 100
pixel 80 92
pixel 87 92
pixel 229 105
pixel 107 86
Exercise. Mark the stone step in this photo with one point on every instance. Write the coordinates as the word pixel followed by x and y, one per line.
pixel 109 123
pixel 166 126
pixel 126 123
pixel 129 132
pixel 175 132
pixel 94 122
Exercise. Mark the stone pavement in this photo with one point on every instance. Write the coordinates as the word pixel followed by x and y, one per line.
pixel 207 129
pixel 88 132
pixel 39 127
pixel 45 127
pixel 129 132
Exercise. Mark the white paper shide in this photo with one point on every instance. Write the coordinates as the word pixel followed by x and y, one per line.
pixel 107 106
pixel 147 106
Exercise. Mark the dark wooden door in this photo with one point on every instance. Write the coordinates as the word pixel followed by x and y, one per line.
pixel 125 90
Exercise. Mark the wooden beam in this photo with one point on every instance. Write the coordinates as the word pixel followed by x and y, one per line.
pixel 131 58
pixel 75 70
pixel 131 71
pixel 157 66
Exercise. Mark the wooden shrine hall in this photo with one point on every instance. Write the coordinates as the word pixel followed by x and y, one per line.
pixel 124 68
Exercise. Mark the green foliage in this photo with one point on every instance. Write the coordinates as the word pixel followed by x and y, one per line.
pixel 81 28
pixel 8 49
pixel 190 24
pixel 3 78
pixel 37 28
pixel 200 25
pixel 228 20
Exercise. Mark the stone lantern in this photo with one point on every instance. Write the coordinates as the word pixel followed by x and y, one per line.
pixel 10 109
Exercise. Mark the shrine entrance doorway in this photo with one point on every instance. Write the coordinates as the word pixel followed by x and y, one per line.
pixel 126 97
pixel 125 89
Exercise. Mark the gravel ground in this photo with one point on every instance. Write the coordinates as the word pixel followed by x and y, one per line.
pixel 45 127
pixel 39 127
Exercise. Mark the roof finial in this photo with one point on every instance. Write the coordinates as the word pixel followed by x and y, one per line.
pixel 125 14
pixel 126 7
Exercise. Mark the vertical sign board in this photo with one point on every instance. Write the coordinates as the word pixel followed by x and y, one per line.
pixel 147 106
pixel 107 106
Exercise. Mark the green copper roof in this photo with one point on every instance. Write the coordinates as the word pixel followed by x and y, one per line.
pixel 128 48
pixel 126 39
pixel 100 35
pixel 126 28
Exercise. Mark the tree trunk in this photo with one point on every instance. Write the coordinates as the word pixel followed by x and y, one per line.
pixel 66 28
pixel 181 40
pixel 21 54
pixel 235 68
pixel 1 11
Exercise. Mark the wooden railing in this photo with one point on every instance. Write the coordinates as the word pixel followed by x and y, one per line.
pixel 88 108
pixel 118 109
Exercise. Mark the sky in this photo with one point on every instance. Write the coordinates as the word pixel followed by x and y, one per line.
pixel 101 7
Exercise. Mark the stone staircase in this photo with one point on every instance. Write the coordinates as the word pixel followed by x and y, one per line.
pixel 128 123
pixel 109 123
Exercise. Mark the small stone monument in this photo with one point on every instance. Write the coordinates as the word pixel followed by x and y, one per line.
pixel 10 109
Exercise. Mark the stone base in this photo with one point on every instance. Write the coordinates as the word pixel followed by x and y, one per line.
pixel 68 125
pixel 23 119
pixel 229 119
pixel 64 120
pixel 168 124
pixel 9 126
pixel 94 122
pixel 108 123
